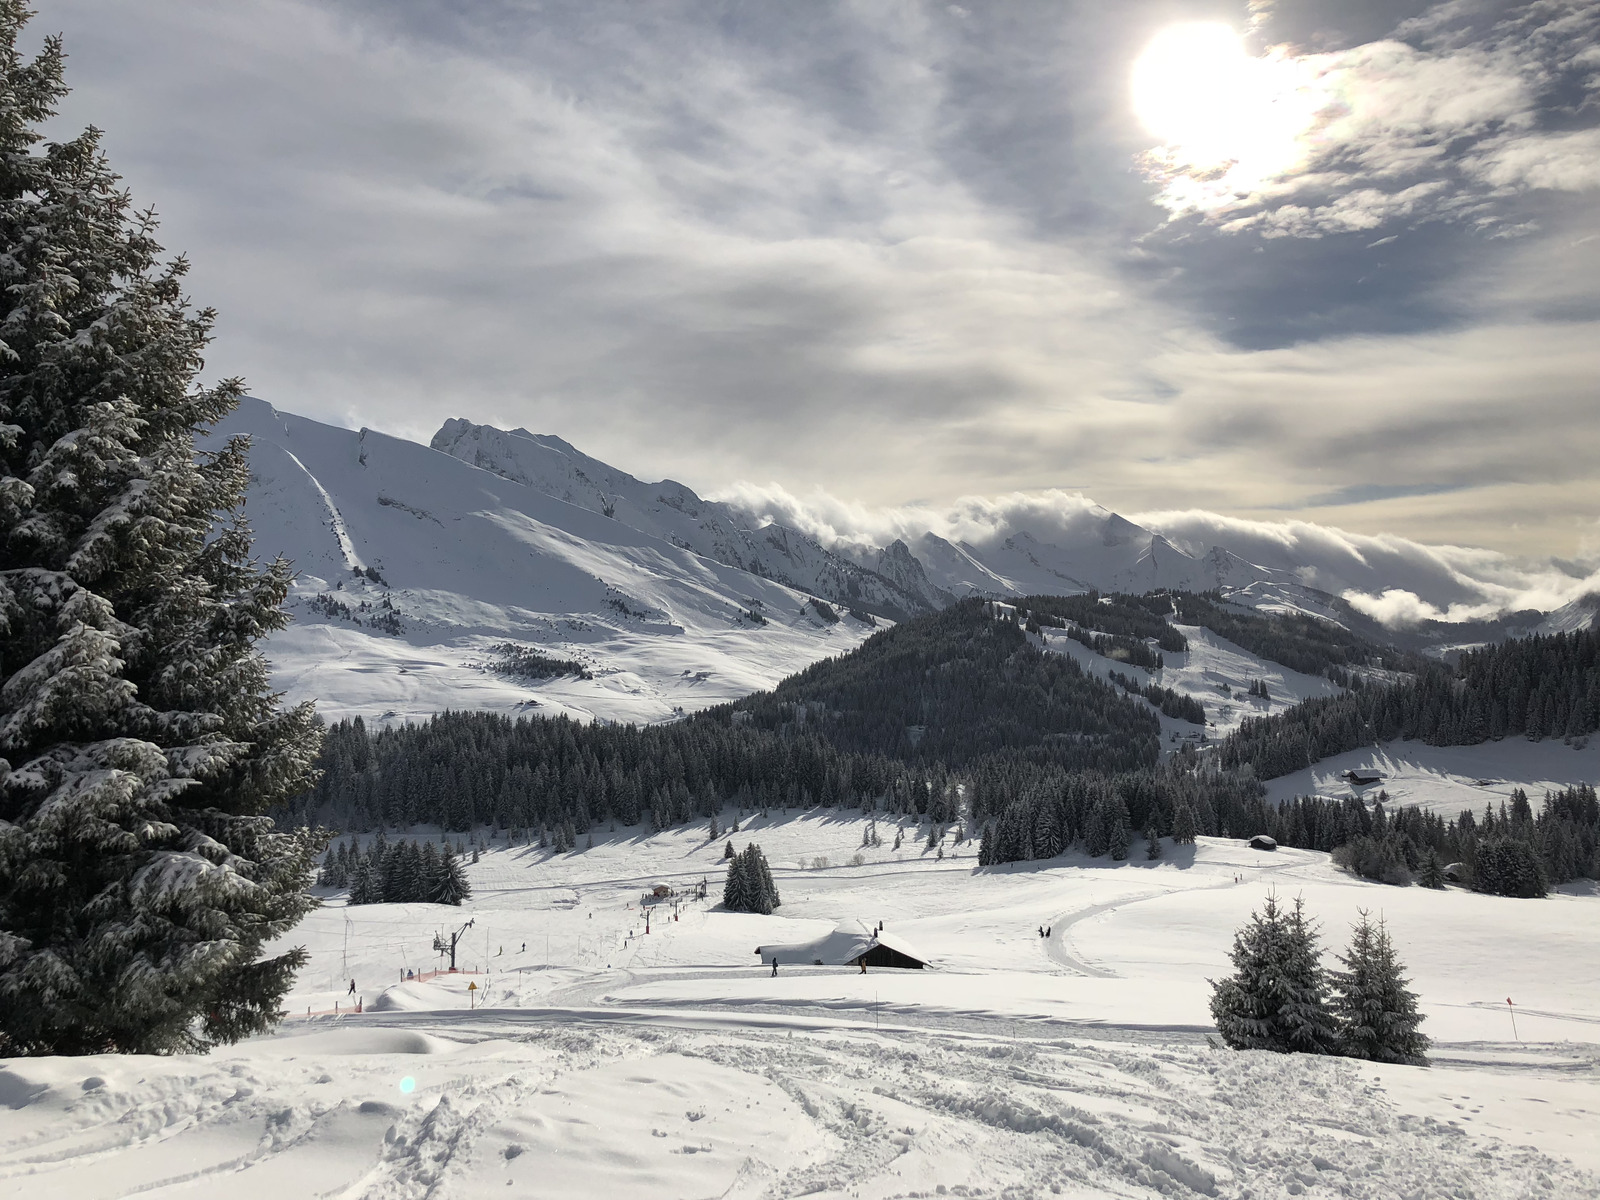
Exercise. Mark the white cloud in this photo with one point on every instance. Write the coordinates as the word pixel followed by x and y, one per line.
pixel 1395 608
pixel 1395 131
pixel 1382 575
pixel 1566 162
pixel 774 258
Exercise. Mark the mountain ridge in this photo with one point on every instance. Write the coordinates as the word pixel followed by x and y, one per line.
pixel 428 576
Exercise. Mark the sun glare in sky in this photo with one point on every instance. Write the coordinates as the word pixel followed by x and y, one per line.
pixel 1226 121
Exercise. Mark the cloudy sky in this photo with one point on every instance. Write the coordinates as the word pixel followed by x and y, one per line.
pixel 1329 260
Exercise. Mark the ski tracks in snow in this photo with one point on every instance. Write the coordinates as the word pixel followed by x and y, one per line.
pixel 1059 944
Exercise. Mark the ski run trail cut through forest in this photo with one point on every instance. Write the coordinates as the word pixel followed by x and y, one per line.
pixel 576 1055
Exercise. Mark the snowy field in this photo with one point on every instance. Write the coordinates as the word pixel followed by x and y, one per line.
pixel 595 1059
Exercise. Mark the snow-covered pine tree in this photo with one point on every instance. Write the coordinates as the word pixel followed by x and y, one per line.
pixel 1376 1012
pixel 1431 874
pixel 736 891
pixel 1183 825
pixel 1509 866
pixel 1119 840
pixel 363 887
pixel 1152 843
pixel 766 886
pixel 430 873
pixel 140 739
pixel 1275 998
pixel 1097 830
pixel 452 887
pixel 727 850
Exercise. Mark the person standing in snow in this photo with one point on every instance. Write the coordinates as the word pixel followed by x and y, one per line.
pixel 774 968
pixel 352 987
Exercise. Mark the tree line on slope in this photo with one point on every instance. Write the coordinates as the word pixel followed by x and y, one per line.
pixel 396 873
pixel 1537 687
pixel 1298 641
pixel 1170 703
pixel 1030 794
pixel 1117 616
pixel 1512 853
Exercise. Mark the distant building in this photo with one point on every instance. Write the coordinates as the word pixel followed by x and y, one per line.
pixel 1362 776
pixel 852 944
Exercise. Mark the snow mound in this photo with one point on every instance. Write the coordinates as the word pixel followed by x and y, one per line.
pixel 848 942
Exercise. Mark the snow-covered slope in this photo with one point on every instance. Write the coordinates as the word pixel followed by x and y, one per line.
pixel 1212 670
pixel 1097 549
pixel 674 513
pixel 414 565
pixel 593 1059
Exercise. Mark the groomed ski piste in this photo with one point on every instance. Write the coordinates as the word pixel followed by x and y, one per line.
pixel 577 1055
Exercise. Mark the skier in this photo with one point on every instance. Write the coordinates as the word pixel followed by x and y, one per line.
pixel 774 968
pixel 352 987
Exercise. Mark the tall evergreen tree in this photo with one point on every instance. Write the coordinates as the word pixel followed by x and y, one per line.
pixel 363 887
pixel 1275 998
pixel 1183 825
pixel 766 887
pixel 737 893
pixel 1377 1013
pixel 451 886
pixel 1432 873
pixel 140 740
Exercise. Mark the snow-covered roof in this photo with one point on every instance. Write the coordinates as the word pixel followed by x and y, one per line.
pixel 848 942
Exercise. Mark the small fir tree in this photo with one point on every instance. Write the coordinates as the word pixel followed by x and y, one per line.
pixel 1183 826
pixel 140 741
pixel 1275 999
pixel 1152 843
pixel 1376 1012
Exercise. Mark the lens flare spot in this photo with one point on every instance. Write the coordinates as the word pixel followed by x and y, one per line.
pixel 408 1085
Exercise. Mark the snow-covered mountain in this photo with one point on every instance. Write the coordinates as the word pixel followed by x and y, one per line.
pixel 674 513
pixel 427 575
pixel 416 569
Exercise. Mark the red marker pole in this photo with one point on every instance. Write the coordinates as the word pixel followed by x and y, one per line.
pixel 1511 1008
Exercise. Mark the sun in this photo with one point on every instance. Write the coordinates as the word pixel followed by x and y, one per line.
pixel 1219 112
